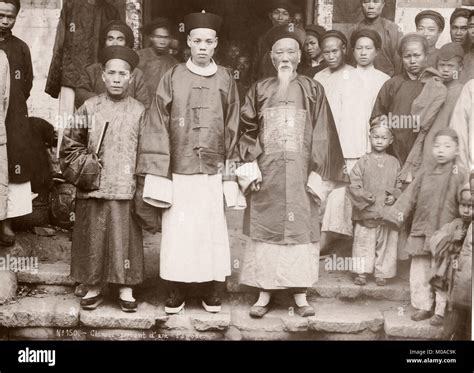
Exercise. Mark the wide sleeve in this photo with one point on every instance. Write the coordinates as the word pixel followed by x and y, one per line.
pixel 396 191
pixel 85 89
pixel 359 197
pixel 445 233
pixel 249 143
pixel 154 148
pixel 327 159
pixel 79 167
pixel 399 213
pixel 383 101
pixel 231 128
pixel 53 84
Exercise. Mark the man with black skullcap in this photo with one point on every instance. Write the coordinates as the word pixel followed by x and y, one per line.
pixel 18 134
pixel 98 156
pixel 188 146
pixel 430 24
pixel 388 59
pixel 156 60
pixel 313 61
pixel 289 144
pixel 114 33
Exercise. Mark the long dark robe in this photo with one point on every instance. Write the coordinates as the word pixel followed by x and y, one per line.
pixel 289 139
pixel 17 125
pixel 154 66
pixel 77 41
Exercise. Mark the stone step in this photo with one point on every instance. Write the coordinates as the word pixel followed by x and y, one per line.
pixel 61 318
pixel 55 278
pixel 399 325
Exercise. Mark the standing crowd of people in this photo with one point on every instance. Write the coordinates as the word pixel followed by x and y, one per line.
pixel 318 136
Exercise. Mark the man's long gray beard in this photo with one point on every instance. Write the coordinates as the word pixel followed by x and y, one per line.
pixel 284 79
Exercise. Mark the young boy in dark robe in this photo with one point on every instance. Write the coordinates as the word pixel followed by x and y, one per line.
pixel 375 184
pixel 99 157
pixel 451 247
pixel 432 200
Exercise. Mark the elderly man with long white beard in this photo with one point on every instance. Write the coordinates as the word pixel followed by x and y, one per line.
pixel 290 147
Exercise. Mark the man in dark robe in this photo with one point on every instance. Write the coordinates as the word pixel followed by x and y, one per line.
pixel 290 148
pixel 156 60
pixel 17 126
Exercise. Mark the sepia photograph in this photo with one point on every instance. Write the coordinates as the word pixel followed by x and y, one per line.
pixel 236 170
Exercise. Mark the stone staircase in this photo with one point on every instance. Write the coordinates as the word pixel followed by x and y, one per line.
pixel 46 308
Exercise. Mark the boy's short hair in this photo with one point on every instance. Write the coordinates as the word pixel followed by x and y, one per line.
pixel 448 132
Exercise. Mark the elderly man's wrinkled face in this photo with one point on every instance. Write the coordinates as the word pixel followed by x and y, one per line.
pixel 372 9
pixel 279 17
pixel 334 51
pixel 430 29
pixel 286 54
pixel 116 76
pixel 459 29
pixel 203 42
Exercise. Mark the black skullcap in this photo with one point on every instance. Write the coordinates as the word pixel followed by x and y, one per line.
pixel 335 34
pixel 368 33
pixel 315 30
pixel 285 31
pixel 435 16
pixel 203 20
pixel 121 53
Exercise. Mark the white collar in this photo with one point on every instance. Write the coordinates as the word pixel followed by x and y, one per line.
pixel 209 70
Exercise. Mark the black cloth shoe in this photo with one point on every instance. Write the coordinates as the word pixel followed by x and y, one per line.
pixel 128 306
pixel 211 300
pixel 175 302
